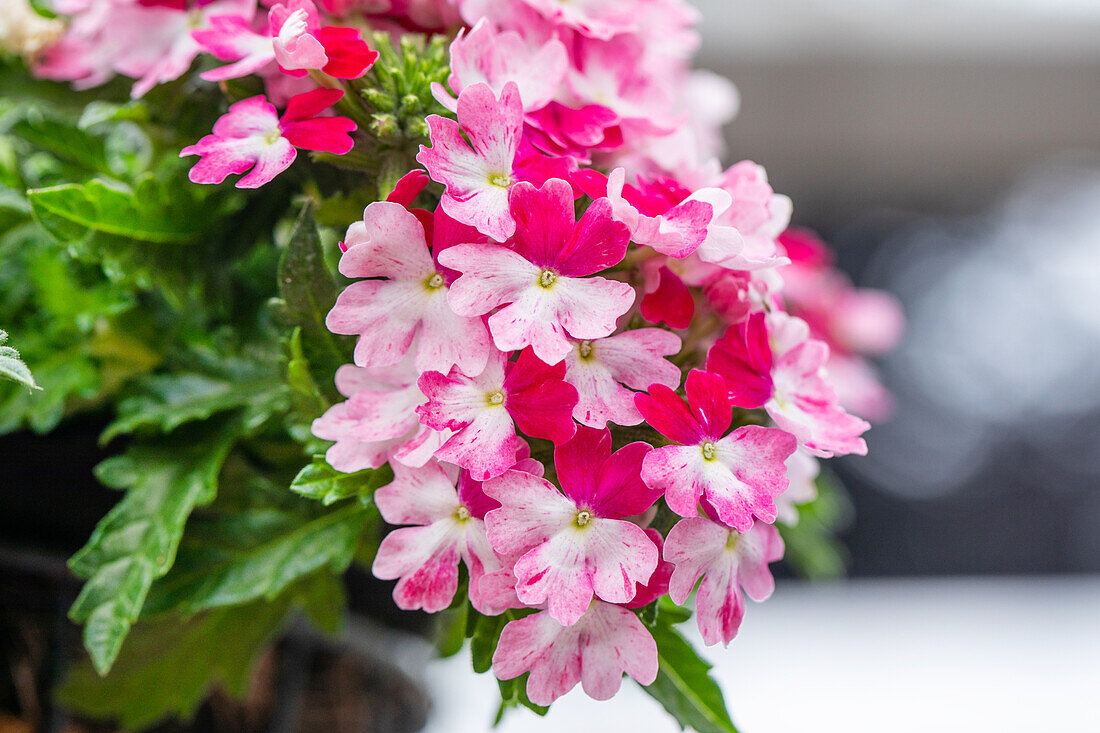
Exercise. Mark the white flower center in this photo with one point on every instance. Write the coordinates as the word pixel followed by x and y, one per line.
pixel 495 398
pixel 462 513
pixel 709 449
pixel 583 517
pixel 547 278
pixel 584 348
pixel 500 180
pixel 434 282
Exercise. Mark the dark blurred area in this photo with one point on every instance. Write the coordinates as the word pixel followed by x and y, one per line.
pixel 950 153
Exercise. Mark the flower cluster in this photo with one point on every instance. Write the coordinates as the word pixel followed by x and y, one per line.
pixel 595 360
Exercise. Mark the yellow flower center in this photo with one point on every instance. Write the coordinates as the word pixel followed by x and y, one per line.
pixel 584 348
pixel 547 278
pixel 583 517
pixel 500 180
pixel 462 513
pixel 434 282
pixel 709 449
pixel 731 541
pixel 495 398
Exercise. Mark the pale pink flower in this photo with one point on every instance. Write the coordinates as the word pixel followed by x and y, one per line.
pixel 600 368
pixel 606 642
pixel 388 314
pixel 479 174
pixel 790 384
pixel 378 421
pixel 576 544
pixel 486 410
pixel 596 18
pixel 727 560
pixel 485 55
pixel 541 277
pixel 450 527
pixel 252 137
pixel 740 474
pixel 757 213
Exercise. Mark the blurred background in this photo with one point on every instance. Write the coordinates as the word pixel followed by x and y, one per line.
pixel 950 152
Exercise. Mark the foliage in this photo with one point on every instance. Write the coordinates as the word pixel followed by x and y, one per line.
pixel 12 367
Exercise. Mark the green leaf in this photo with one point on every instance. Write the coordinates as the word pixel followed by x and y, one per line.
pixel 167 401
pixel 451 634
pixel 63 140
pixel 40 7
pixel 484 637
pixel 238 557
pixel 149 212
pixel 136 542
pixel 12 367
pixel 306 400
pixel 170 664
pixel 321 481
pixel 684 686
pixel 813 549
pixel 308 292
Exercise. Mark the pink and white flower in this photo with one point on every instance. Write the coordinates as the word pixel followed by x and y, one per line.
pixel 574 544
pixel 251 137
pixel 479 174
pixel 541 278
pixel 388 314
pixel 739 474
pixel 486 410
pixel 726 560
pixel 450 527
pixel 300 43
pixel 606 642
pixel 378 421
pixel 757 213
pixel 486 55
pixel 600 368
pixel 790 384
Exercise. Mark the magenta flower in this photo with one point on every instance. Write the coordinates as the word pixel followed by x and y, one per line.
pixel 667 298
pixel 727 560
pixel 387 314
pixel 599 370
pixel 450 527
pixel 540 279
pixel 486 410
pixel 479 174
pixel 791 388
pixel 740 474
pixel 574 543
pixel 252 137
pixel 606 642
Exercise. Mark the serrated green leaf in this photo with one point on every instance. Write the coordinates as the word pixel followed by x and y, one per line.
pixel 684 686
pixel 308 292
pixel 12 367
pixel 167 401
pixel 147 212
pixel 236 558
pixel 170 663
pixel 321 481
pixel 136 542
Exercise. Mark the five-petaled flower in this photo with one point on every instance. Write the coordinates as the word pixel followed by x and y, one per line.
pixel 252 137
pixel 739 474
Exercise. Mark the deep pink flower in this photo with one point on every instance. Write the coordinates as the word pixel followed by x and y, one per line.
pixel 252 137
pixel 606 642
pixel 576 132
pixel 540 279
pixel 740 474
pixel 727 560
pixel 388 314
pixel 789 385
pixel 667 298
pixel 486 410
pixel 600 368
pixel 450 527
pixel 486 55
pixel 576 544
pixel 479 174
